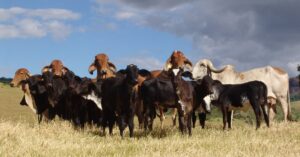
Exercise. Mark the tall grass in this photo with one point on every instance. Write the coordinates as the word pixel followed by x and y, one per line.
pixel 61 139
pixel 20 135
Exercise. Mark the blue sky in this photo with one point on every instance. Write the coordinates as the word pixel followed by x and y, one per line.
pixel 247 35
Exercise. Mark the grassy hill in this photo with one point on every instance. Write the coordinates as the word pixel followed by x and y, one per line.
pixel 20 135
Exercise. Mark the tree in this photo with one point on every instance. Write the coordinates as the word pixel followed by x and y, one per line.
pixel 299 74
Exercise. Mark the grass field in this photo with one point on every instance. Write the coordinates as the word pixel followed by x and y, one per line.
pixel 20 135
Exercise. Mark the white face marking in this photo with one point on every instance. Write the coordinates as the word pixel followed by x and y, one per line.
pixel 93 97
pixel 175 71
pixel 207 101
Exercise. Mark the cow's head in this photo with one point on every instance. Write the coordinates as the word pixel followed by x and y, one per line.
pixel 205 67
pixel 105 69
pixel 178 60
pixel 21 75
pixel 56 67
pixel 56 87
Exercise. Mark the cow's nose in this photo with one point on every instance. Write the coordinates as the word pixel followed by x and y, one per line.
pixel 11 84
pixel 103 72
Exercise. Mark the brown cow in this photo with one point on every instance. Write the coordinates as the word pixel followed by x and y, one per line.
pixel 22 75
pixel 105 69
pixel 178 60
pixel 56 67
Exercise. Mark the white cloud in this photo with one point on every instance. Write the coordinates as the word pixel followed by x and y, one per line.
pixel 17 22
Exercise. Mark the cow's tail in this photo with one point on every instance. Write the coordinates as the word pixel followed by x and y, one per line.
pixel 289 115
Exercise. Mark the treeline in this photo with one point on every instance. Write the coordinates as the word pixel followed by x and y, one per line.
pixel 294 88
pixel 5 80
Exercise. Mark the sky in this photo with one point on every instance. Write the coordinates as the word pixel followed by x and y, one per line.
pixel 243 33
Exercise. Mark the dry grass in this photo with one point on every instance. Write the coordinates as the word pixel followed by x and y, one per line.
pixel 22 136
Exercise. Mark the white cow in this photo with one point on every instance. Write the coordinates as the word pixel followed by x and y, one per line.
pixel 276 79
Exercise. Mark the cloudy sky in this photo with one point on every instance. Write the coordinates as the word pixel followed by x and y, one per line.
pixel 243 33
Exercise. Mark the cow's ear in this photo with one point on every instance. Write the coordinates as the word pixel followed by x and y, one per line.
pixel 23 102
pixel 78 79
pixel 144 73
pixel 187 74
pixel 65 70
pixel 168 65
pixel 112 67
pixel 46 69
pixel 122 71
pixel 92 68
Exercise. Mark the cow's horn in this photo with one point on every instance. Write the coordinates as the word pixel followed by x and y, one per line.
pixel 212 68
pixel 188 64
pixel 46 69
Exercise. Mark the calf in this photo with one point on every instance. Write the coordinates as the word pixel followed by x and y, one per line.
pixel 238 96
pixel 190 96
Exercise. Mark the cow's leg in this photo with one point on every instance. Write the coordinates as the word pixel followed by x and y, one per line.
pixel 229 113
pixel 121 124
pixel 139 112
pixel 271 113
pixel 140 119
pixel 174 115
pixel 40 118
pixel 202 118
pixel 265 114
pixel 256 107
pixel 181 119
pixel 189 123
pixel 224 112
pixel 111 122
pixel 146 117
pixel 162 117
pixel 285 108
pixel 194 118
pixel 131 124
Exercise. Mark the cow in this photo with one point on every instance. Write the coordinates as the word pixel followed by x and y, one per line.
pixel 73 97
pixel 34 93
pixel 230 97
pixel 162 92
pixel 175 61
pixel 276 80
pixel 105 69
pixel 56 67
pixel 118 99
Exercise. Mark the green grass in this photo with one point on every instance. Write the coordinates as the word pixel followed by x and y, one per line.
pixel 20 135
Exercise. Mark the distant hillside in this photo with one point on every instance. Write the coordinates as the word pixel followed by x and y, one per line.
pixel 5 80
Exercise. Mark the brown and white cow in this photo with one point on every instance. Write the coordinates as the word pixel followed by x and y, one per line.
pixel 19 79
pixel 105 69
pixel 56 67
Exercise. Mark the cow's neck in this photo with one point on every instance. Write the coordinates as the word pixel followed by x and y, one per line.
pixel 29 98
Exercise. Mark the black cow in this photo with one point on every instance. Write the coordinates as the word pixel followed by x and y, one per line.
pixel 68 96
pixel 118 99
pixel 38 91
pixel 231 97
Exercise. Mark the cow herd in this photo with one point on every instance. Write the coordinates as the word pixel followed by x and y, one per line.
pixel 116 97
